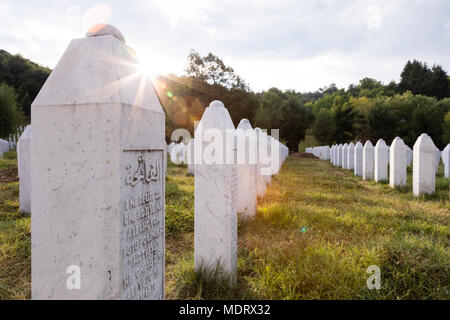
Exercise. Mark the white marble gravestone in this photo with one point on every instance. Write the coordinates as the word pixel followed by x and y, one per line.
pixel 368 161
pixel 339 155
pixel 335 156
pixel 344 163
pixel 397 163
pixel 358 163
pixel 24 169
pixel 170 147
pixel 438 160
pixel 446 160
pixel 215 226
pixel 265 156
pixel 246 146
pixel 4 147
pixel 260 180
pixel 332 154
pixel 351 156
pixel 190 156
pixel 424 162
pixel 97 177
pixel 409 155
pixel 381 161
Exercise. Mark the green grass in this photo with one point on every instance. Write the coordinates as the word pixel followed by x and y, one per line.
pixel 317 230
pixel 15 236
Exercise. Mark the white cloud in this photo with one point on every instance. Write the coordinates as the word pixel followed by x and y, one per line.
pixel 286 43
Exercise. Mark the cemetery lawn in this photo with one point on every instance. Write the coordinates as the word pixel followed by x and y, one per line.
pixel 317 230
pixel 15 236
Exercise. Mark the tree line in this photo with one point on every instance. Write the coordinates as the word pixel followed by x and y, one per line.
pixel 20 82
pixel 420 102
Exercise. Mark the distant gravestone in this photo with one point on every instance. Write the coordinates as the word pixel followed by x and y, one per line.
pixel 351 156
pixel 397 163
pixel 215 225
pixel 24 169
pixel 381 161
pixel 97 177
pixel 246 169
pixel 265 151
pixel 424 162
pixel 344 164
pixel 339 155
pixel 332 154
pixel 409 155
pixel 368 161
pixel 446 160
pixel 358 164
pixel 170 147
pixel 260 180
pixel 438 160
pixel 190 156
pixel 4 147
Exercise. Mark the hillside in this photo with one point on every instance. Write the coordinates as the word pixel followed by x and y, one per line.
pixel 24 75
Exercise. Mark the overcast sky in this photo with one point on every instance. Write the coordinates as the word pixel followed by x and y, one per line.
pixel 302 45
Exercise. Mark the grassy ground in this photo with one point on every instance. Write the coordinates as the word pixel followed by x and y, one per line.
pixel 15 236
pixel 316 232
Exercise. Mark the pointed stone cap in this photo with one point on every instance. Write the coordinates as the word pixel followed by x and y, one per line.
pixel 244 124
pixel 368 145
pixel 381 144
pixel 103 29
pixel 26 134
pixel 216 116
pixel 358 145
pixel 398 143
pixel 98 70
pixel 425 143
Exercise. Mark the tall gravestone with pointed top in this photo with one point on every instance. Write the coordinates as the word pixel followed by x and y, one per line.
pixel 97 176
pixel 351 156
pixel 215 223
pixel 397 163
pixel 368 161
pixel 358 163
pixel 381 161
pixel 246 169
pixel 424 161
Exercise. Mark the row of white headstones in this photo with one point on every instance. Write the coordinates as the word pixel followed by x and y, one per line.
pixel 222 191
pixel 10 144
pixel 389 163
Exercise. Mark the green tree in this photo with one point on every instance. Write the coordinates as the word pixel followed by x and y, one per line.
pixel 10 115
pixel 324 126
pixel 293 122
pixel 438 83
pixel 446 129
pixel 213 70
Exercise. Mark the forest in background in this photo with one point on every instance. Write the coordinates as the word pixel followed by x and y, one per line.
pixel 419 103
